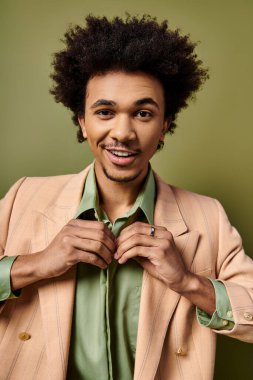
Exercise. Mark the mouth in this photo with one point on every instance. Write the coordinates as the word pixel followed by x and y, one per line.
pixel 121 157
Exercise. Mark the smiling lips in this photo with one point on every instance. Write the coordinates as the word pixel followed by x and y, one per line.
pixel 120 156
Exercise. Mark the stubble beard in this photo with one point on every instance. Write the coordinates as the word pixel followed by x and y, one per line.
pixel 123 179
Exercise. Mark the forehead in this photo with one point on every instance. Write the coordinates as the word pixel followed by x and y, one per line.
pixel 124 87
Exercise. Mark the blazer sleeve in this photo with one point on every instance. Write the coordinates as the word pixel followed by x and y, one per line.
pixel 6 207
pixel 235 270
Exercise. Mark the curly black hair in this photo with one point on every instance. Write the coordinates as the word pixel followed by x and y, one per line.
pixel 130 45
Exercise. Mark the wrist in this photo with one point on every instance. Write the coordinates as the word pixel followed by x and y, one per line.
pixel 198 290
pixel 189 283
pixel 25 271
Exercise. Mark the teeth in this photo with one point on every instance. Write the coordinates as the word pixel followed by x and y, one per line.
pixel 120 154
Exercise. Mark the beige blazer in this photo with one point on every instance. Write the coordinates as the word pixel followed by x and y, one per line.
pixel 171 345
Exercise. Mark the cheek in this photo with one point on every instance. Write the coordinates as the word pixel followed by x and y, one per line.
pixel 95 133
pixel 149 139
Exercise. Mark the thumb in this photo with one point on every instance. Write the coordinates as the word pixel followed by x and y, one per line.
pixel 147 265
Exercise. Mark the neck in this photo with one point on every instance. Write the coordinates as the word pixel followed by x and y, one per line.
pixel 116 198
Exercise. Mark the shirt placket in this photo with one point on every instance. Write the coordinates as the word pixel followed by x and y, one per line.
pixel 105 273
pixel 109 278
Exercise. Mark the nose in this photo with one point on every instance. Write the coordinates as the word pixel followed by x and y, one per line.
pixel 123 129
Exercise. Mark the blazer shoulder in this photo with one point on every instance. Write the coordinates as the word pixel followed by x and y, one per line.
pixel 56 179
pixel 188 202
pixel 39 192
pixel 49 183
pixel 195 206
pixel 37 185
pixel 185 195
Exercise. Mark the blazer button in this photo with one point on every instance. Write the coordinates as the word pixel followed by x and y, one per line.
pixel 248 316
pixel 180 352
pixel 24 336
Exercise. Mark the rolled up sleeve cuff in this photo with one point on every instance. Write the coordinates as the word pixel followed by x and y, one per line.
pixel 222 318
pixel 5 279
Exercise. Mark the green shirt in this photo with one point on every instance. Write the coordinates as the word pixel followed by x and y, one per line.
pixel 107 302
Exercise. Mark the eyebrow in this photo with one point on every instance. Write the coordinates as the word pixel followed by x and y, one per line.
pixel 103 102
pixel 143 101
pixel 139 102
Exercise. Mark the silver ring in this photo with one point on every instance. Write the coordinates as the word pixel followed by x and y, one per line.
pixel 152 231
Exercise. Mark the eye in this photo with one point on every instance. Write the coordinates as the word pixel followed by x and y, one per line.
pixel 104 114
pixel 144 114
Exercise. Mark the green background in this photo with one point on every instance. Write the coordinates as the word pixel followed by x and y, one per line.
pixel 211 151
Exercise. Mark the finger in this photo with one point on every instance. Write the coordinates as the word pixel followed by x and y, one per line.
pixel 135 252
pixel 94 224
pixel 146 264
pixel 90 229
pixel 142 229
pixel 91 246
pixel 91 258
pixel 98 248
pixel 134 241
pixel 91 234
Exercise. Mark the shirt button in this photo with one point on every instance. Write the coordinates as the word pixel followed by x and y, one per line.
pixel 225 322
pixel 248 316
pixel 229 314
pixel 24 336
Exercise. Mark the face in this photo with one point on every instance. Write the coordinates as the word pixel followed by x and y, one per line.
pixel 123 123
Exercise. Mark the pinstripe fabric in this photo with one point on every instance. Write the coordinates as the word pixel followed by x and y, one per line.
pixel 32 213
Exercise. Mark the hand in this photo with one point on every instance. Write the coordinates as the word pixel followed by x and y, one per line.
pixel 79 241
pixel 157 254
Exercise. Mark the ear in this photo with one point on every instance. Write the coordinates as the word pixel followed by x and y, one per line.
pixel 82 125
pixel 166 125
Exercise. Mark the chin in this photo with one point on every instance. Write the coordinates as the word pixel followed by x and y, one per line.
pixel 121 177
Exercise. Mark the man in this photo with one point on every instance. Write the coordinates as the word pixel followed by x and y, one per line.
pixel 111 273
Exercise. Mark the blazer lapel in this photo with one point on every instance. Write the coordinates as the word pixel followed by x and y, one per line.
pixel 157 301
pixel 57 295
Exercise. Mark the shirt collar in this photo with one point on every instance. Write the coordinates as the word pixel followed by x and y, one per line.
pixel 89 199
pixel 145 199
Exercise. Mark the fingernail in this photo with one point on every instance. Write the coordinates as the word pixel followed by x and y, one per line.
pixel 115 255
